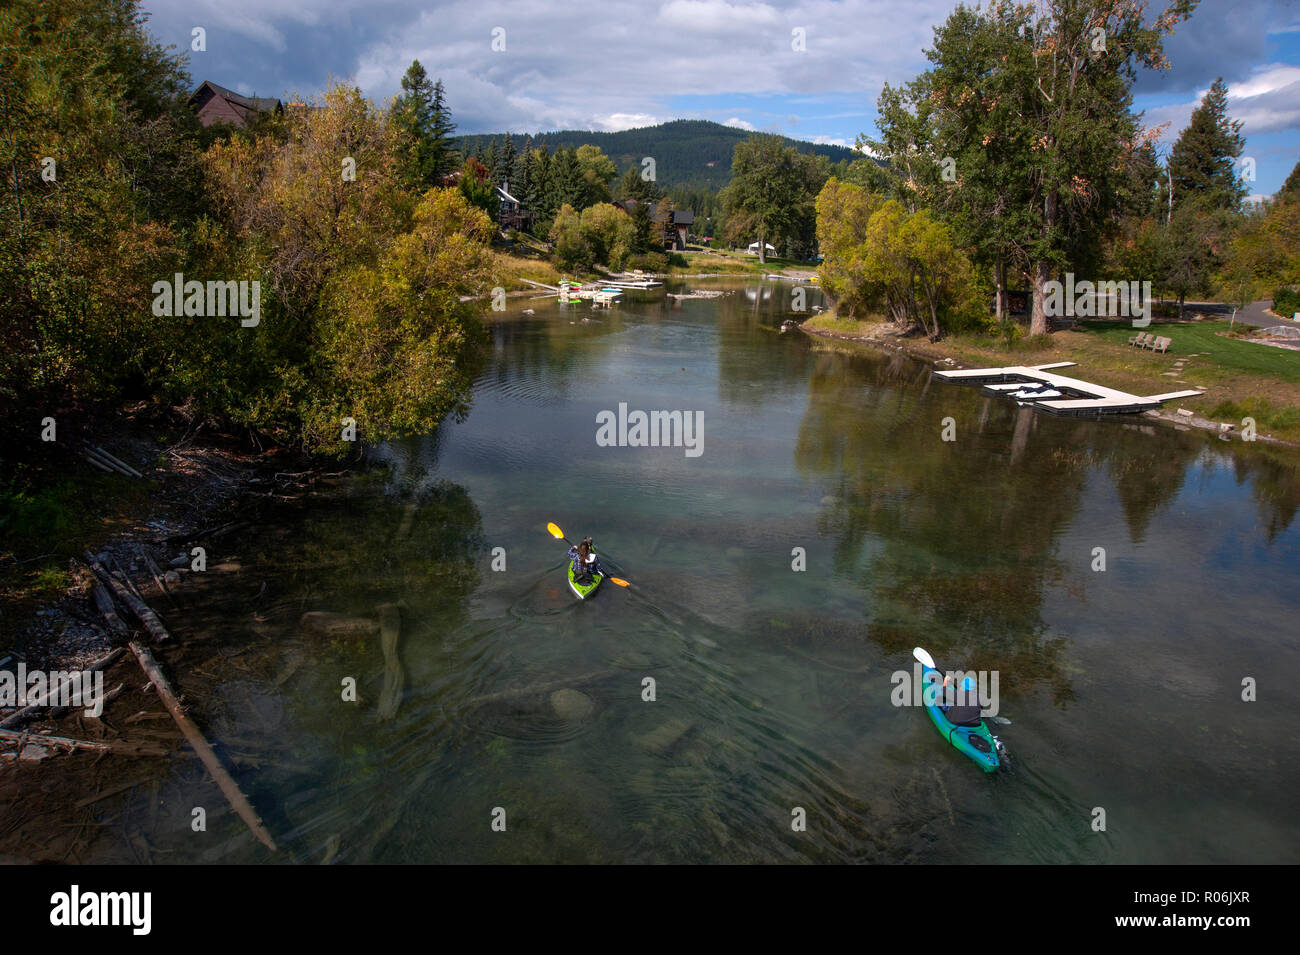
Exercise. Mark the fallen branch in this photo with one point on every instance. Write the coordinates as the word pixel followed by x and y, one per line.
pixel 142 612
pixel 119 572
pixel 103 467
pixel 65 742
pixel 32 708
pixel 117 463
pixel 105 605
pixel 156 573
pixel 390 629
pixel 91 800
pixel 200 745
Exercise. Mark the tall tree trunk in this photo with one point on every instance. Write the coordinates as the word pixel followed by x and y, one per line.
pixel 762 248
pixel 1000 280
pixel 1042 269
pixel 1038 320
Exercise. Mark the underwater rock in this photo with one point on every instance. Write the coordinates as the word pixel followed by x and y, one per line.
pixel 572 705
pixel 337 625
pixel 665 737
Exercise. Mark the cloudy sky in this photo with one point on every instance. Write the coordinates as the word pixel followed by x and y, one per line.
pixel 615 64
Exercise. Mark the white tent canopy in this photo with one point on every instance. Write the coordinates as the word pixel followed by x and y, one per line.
pixel 753 247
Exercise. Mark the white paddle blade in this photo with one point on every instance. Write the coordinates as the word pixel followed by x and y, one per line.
pixel 924 657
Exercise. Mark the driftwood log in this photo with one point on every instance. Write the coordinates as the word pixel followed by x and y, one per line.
pixel 390 629
pixel 200 746
pixel 116 463
pixel 65 742
pixel 148 619
pixel 105 605
pixel 13 719
pixel 156 573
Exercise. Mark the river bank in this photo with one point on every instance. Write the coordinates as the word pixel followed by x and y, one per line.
pixel 173 516
pixel 1238 378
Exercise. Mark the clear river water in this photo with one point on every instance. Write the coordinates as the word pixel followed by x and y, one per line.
pixel 772 684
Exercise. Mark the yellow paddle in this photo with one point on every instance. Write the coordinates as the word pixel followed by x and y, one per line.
pixel 558 534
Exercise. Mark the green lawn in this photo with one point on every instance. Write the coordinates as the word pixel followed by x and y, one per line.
pixel 1202 337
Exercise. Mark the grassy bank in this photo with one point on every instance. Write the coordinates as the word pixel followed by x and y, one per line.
pixel 1238 377
pixel 513 266
pixel 739 263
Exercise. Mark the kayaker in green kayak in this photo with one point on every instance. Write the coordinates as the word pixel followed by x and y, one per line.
pixel 586 564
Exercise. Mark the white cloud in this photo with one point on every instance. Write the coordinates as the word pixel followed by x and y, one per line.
pixel 619 121
pixel 1267 102
pixel 583 63
pixel 831 141
pixel 738 123
pixel 1267 80
pixel 714 16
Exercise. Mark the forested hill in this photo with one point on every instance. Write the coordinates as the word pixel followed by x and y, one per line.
pixel 694 153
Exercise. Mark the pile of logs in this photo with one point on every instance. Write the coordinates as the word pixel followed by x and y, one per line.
pixel 106 462
pixel 116 597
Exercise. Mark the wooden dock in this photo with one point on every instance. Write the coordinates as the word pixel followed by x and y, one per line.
pixel 599 296
pixel 642 284
pixel 1084 397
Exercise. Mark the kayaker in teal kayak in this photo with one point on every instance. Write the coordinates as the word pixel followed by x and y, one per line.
pixel 956 719
pixel 585 562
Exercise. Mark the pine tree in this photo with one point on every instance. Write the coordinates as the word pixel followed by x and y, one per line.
pixel 566 184
pixel 491 162
pixel 539 186
pixel 1202 164
pixel 506 161
pixel 413 114
pixel 632 186
pixel 420 111
pixel 1291 188
pixel 522 188
pixel 445 158
pixel 644 227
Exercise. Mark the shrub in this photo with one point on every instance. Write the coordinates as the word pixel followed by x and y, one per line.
pixel 649 262
pixel 1286 301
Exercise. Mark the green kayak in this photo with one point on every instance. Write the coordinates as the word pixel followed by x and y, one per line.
pixel 583 590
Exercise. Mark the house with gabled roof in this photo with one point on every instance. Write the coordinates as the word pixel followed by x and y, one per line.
pixel 216 104
pixel 513 215
pixel 676 228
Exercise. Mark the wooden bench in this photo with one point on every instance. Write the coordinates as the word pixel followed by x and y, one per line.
pixel 1140 340
pixel 1159 345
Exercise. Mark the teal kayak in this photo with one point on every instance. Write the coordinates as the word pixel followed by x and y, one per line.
pixel 583 590
pixel 963 727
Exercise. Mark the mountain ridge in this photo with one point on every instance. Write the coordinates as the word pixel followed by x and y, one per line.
pixel 695 153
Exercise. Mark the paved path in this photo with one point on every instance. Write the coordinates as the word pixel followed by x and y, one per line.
pixel 1253 314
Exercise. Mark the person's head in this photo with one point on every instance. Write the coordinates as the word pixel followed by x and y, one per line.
pixel 584 548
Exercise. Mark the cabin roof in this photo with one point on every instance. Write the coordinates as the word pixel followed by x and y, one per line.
pixel 215 104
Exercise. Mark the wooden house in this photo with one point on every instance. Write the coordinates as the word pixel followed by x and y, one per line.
pixel 512 214
pixel 216 104
pixel 676 229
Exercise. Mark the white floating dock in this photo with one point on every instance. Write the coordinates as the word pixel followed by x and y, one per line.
pixel 643 284
pixel 1086 397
